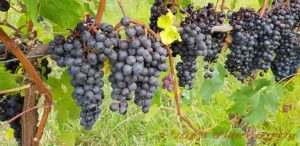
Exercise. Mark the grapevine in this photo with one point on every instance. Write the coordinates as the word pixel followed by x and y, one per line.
pixel 134 58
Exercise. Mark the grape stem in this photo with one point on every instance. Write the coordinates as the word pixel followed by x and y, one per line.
pixel 100 12
pixel 13 47
pixel 263 9
pixel 28 57
pixel 122 8
pixel 287 3
pixel 292 77
pixel 228 41
pixel 19 115
pixel 133 21
pixel 223 6
pixel 173 5
pixel 15 89
pixel 176 92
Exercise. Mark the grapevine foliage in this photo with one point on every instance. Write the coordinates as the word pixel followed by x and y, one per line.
pixel 259 43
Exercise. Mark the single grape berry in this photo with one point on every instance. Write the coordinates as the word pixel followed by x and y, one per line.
pixel 4 5
pixel 125 21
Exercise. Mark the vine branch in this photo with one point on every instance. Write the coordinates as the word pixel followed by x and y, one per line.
pixel 13 47
pixel 151 32
pixel 263 9
pixel 18 116
pixel 15 89
pixel 121 7
pixel 100 12
pixel 223 6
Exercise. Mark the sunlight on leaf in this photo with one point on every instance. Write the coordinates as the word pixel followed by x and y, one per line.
pixel 165 21
pixel 170 35
pixel 9 134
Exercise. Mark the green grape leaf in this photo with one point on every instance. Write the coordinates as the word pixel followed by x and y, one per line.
pixel 241 98
pixel 210 86
pixel 261 2
pixel 273 96
pixel 265 100
pixel 67 138
pixel 260 83
pixel 88 9
pixel 64 13
pixel 254 103
pixel 169 34
pixel 32 11
pixel 64 104
pixel 233 4
pixel 256 114
pixel 184 3
pixel 7 80
pixel 224 128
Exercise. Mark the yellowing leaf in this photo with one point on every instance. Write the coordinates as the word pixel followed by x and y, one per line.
pixel 9 134
pixel 170 35
pixel 165 21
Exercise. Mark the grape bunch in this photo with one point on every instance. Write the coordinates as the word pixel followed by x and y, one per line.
pixel 168 83
pixel 245 38
pixel 253 45
pixel 136 65
pixel 285 23
pixel 84 53
pixel 198 40
pixel 10 106
pixel 158 9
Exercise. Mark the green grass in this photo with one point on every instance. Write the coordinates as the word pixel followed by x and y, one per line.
pixel 163 126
